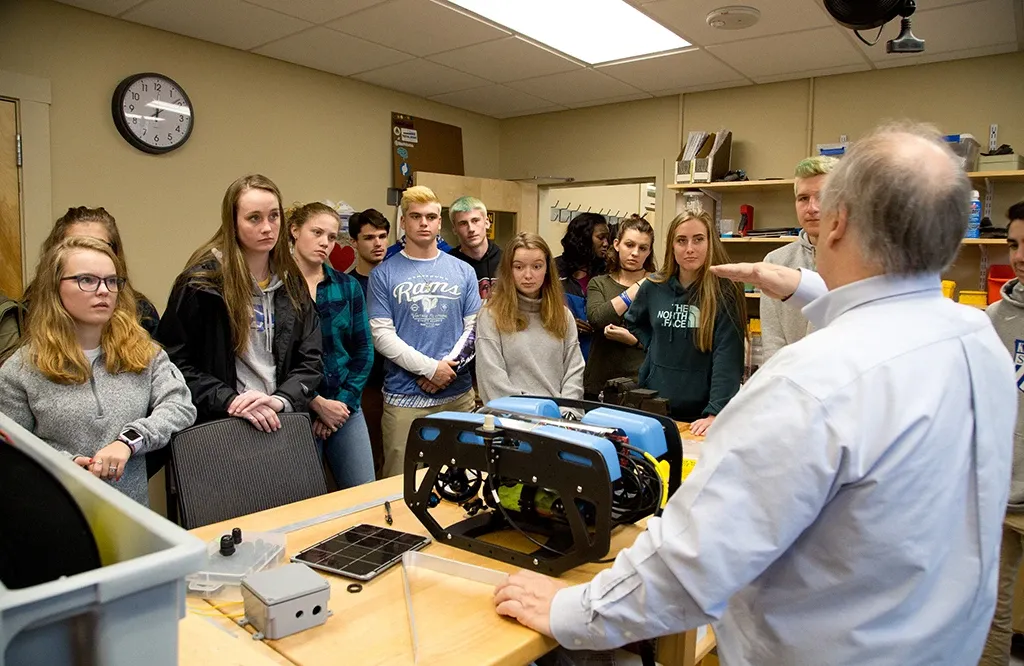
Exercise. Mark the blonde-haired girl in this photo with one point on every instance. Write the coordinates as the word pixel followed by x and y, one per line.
pixel 526 339
pixel 88 380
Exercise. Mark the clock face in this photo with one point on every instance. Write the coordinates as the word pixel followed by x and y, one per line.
pixel 152 113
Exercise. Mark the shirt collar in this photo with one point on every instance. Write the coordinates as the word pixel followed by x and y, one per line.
pixel 826 309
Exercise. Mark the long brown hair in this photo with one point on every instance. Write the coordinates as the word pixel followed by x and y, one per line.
pixel 712 290
pixel 632 223
pixel 230 274
pixel 52 345
pixel 503 303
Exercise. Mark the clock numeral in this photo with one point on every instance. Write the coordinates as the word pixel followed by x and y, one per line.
pixel 169 137
pixel 178 129
pixel 135 96
pixel 156 138
pixel 181 119
pixel 143 131
pixel 135 121
pixel 131 107
pixel 157 87
pixel 145 87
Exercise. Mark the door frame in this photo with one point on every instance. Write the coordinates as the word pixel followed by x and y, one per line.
pixel 32 98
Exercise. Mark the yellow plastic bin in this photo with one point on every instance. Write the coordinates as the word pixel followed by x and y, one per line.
pixel 948 288
pixel 978 299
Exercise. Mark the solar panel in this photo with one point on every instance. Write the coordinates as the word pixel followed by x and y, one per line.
pixel 360 552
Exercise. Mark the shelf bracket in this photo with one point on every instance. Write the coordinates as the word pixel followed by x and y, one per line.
pixel 983 273
pixel 990 190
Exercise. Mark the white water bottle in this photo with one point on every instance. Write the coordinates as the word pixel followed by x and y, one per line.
pixel 974 221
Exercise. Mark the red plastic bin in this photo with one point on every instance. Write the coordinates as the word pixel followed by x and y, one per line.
pixel 998 275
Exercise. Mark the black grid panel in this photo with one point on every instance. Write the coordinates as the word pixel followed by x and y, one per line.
pixel 360 552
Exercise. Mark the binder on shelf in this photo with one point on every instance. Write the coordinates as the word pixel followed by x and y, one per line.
pixel 684 164
pixel 713 161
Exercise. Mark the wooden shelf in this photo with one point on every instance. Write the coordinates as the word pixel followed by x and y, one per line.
pixel 983 241
pixel 761 239
pixel 736 185
pixel 752 294
pixel 1014 176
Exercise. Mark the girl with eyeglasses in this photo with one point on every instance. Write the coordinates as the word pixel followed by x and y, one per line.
pixel 89 381
pixel 239 322
pixel 99 224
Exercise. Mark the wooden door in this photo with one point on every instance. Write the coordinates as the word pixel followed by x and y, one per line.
pixel 10 203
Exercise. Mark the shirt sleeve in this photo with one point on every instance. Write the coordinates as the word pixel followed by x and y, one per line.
pixel 772 336
pixel 491 371
pixel 13 396
pixel 811 288
pixel 727 356
pixel 359 345
pixel 398 351
pixel 636 317
pixel 170 406
pixel 572 361
pixel 600 311
pixel 681 572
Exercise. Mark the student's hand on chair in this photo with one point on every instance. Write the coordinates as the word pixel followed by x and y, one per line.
pixel 583 326
pixel 619 334
pixel 526 596
pixel 700 426
pixel 774 281
pixel 109 462
pixel 245 401
pixel 444 374
pixel 263 416
pixel 321 430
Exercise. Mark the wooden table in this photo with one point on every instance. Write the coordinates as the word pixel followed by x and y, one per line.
pixel 455 619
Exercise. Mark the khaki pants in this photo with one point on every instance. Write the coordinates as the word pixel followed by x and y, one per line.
pixel 396 421
pixel 997 645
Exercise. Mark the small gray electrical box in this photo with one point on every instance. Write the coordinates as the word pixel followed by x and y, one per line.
pixel 286 600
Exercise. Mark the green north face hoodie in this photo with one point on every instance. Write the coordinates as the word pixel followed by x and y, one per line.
pixel 666 318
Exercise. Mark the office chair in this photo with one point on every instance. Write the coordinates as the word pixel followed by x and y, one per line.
pixel 226 468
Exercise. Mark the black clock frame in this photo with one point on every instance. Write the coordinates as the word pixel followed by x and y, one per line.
pixel 121 123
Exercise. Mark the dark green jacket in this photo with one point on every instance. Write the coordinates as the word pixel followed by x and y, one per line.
pixel 665 318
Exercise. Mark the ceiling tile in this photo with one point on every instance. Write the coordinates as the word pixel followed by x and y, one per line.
pixel 693 89
pixel 229 22
pixel 943 56
pixel 316 11
pixel 108 7
pixel 689 18
pixel 420 27
pixel 827 71
pixel 574 87
pixel 612 100
pixel 681 70
pixel 496 101
pixel 952 28
pixel 332 51
pixel 505 60
pixel 788 54
pixel 422 77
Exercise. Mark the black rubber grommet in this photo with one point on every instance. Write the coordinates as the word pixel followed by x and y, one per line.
pixel 354 587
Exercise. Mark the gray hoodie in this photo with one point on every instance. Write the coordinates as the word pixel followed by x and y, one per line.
pixel 1008 319
pixel 256 367
pixel 81 419
pixel 782 324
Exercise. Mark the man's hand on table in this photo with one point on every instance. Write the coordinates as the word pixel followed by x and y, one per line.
pixel 774 281
pixel 526 596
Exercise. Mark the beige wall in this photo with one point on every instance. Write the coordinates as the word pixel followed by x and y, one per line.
pixel 624 199
pixel 317 135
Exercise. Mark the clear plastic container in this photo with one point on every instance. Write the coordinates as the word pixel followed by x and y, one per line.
pixel 221 575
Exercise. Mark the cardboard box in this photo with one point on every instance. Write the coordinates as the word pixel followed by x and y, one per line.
pixel 1012 162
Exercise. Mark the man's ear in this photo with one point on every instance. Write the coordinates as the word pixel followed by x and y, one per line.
pixel 836 229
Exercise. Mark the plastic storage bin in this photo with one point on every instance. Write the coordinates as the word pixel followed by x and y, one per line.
pixel 998 275
pixel 948 288
pixel 124 613
pixel 978 299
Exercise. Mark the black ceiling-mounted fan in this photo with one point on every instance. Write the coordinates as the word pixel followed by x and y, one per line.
pixel 860 15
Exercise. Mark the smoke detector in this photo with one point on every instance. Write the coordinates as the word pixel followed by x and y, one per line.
pixel 736 17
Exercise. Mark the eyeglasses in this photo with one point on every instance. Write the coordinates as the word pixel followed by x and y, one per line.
pixel 91 283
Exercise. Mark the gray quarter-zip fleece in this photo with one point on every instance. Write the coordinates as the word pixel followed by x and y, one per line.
pixel 1007 317
pixel 81 419
pixel 256 368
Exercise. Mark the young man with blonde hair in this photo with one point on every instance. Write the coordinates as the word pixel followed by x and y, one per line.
pixel 781 325
pixel 422 302
pixel 471 224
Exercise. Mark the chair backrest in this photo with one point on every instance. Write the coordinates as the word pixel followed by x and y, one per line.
pixel 226 468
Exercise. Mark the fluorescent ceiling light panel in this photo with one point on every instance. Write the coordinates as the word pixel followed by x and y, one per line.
pixel 594 31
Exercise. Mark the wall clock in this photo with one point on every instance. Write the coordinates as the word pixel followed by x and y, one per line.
pixel 152 112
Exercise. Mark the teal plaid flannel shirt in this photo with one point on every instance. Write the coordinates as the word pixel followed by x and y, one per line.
pixel 348 345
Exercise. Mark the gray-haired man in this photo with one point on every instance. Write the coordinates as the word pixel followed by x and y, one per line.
pixel 848 505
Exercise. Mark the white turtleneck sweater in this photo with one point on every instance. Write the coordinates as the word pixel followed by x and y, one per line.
pixel 530 362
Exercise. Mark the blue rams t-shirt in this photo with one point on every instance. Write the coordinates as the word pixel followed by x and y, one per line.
pixel 427 300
